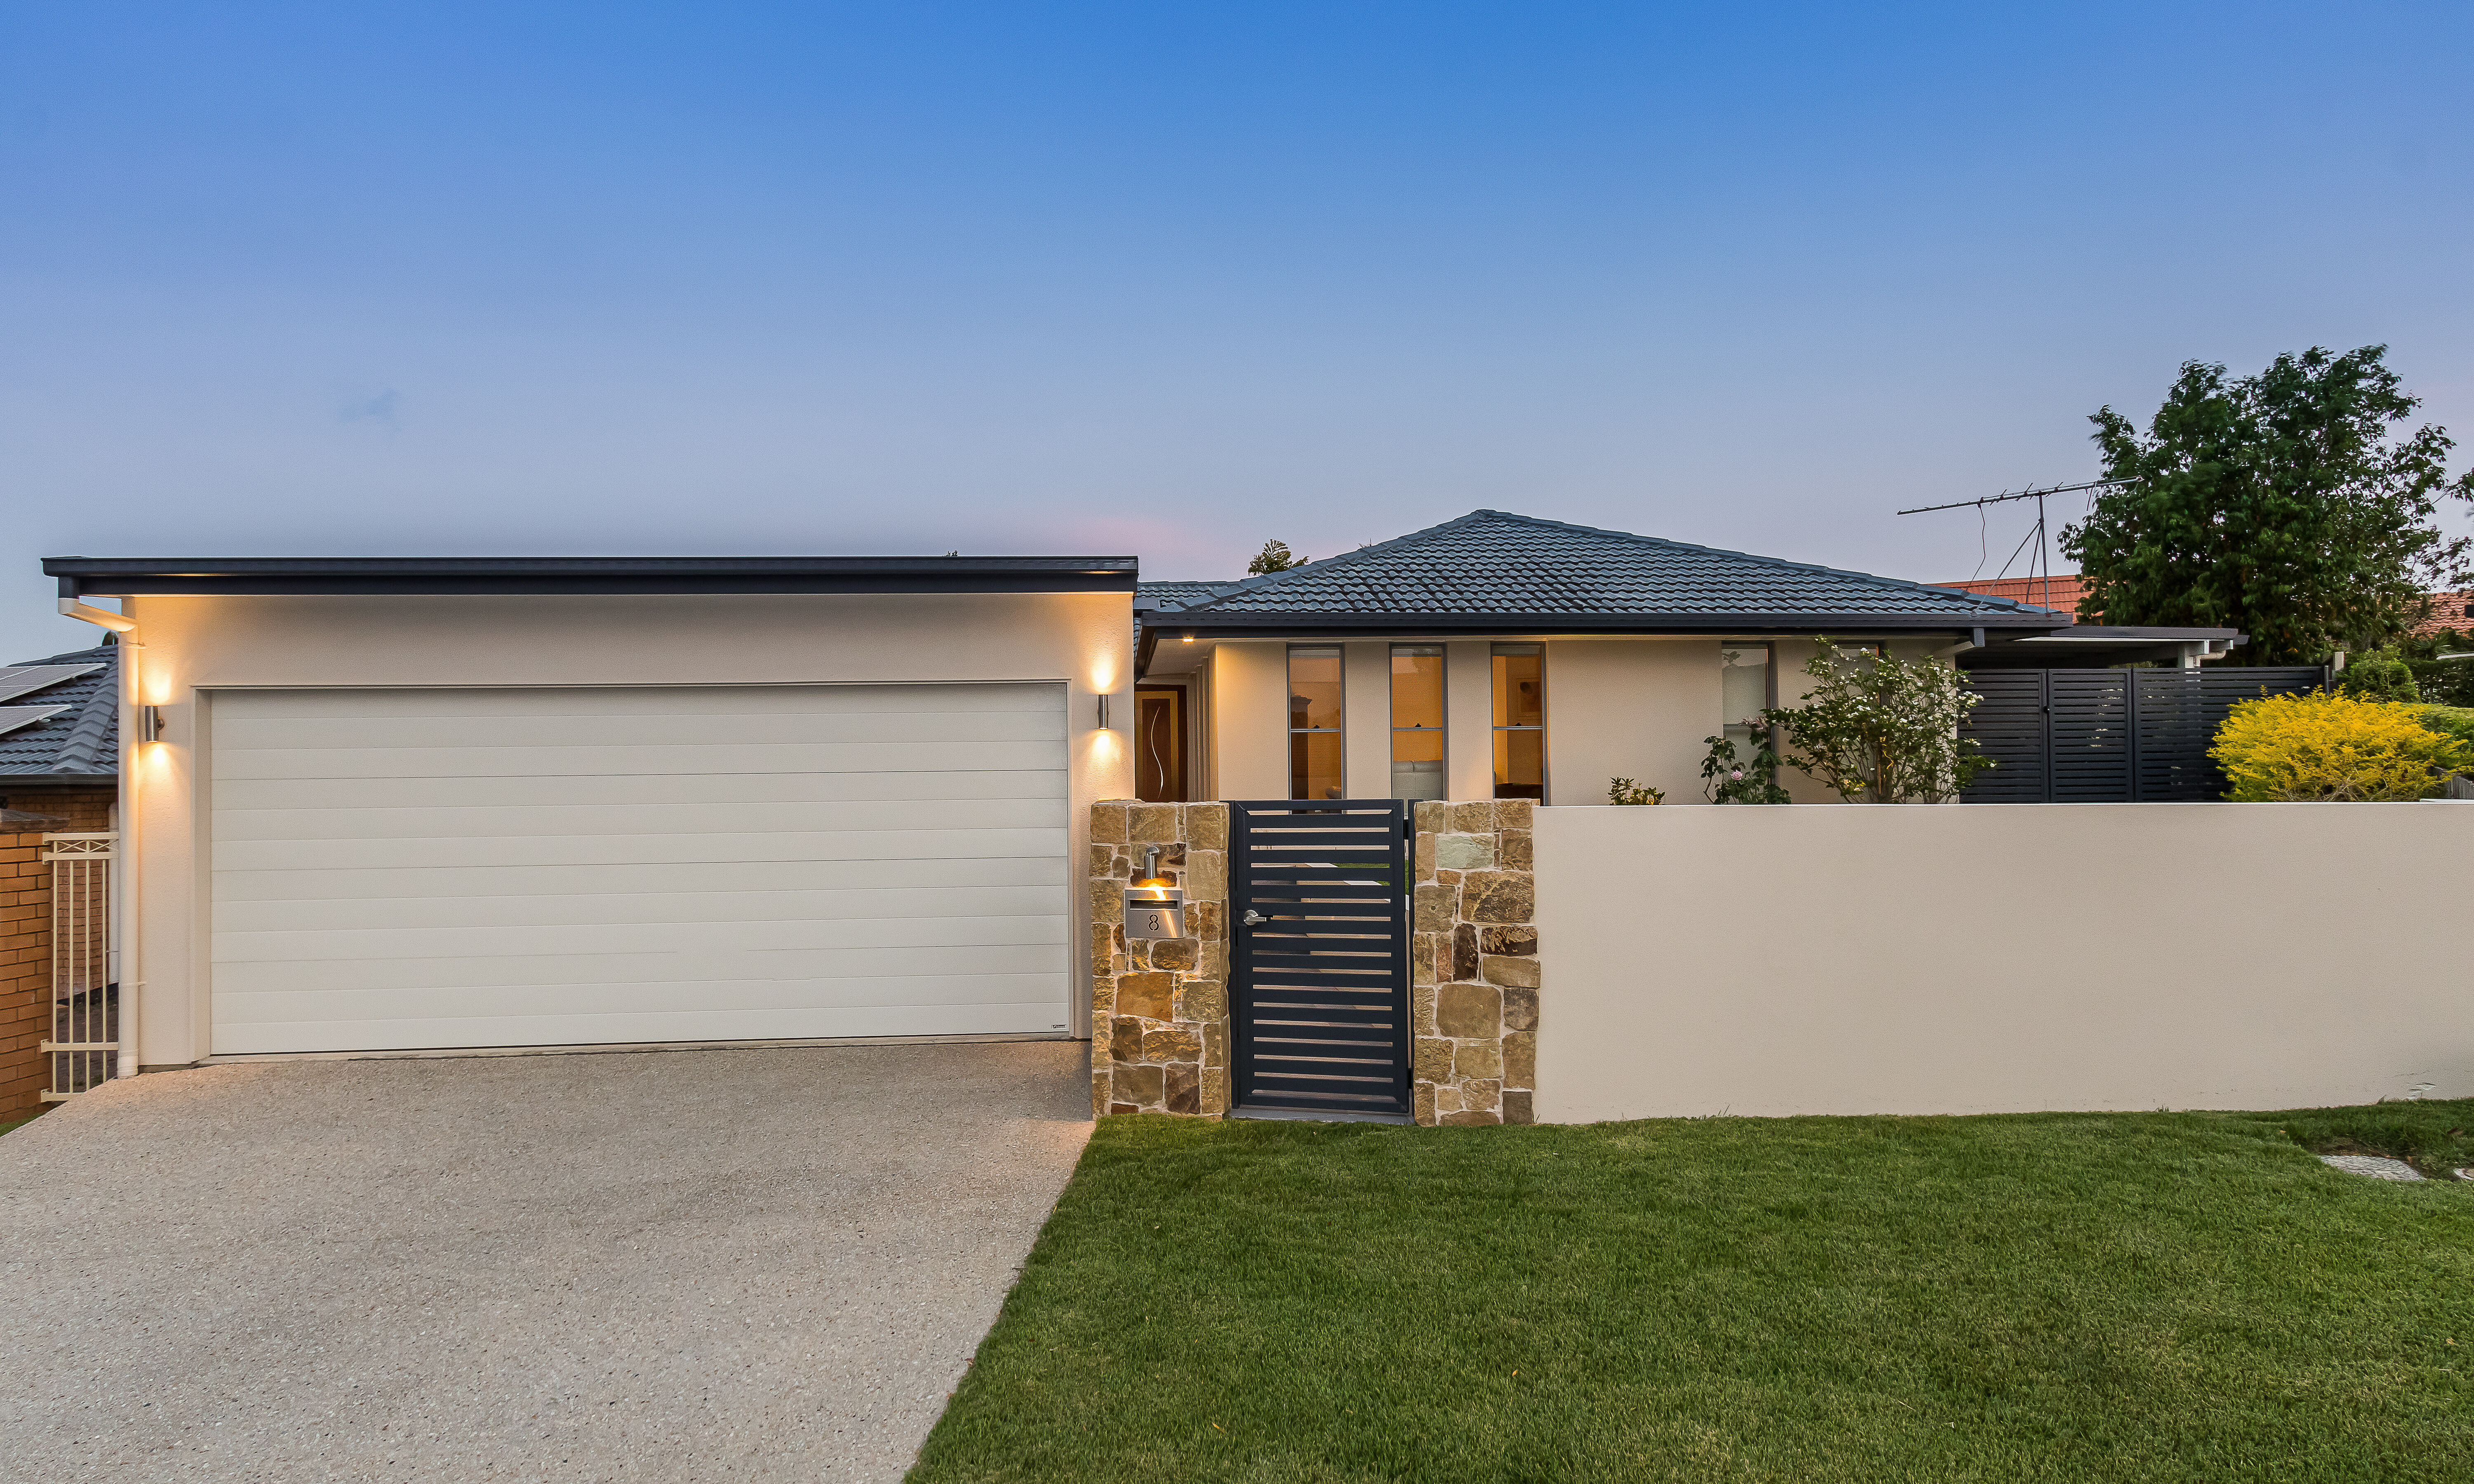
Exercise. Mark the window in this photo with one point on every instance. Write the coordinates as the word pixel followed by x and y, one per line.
pixel 1744 690
pixel 1417 721
pixel 1314 722
pixel 1520 721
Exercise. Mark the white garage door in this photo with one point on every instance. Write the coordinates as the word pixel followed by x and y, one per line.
pixel 401 868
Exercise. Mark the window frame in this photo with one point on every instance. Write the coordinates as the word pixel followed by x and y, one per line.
pixel 1496 738
pixel 1339 657
pixel 1441 730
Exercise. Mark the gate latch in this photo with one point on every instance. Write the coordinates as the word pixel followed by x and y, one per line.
pixel 1253 917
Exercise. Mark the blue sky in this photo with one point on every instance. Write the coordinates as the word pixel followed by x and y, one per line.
pixel 1169 280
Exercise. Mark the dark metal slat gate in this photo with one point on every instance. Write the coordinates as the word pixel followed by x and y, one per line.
pixel 1319 992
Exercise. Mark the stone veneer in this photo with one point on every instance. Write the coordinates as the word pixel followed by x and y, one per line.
pixel 1474 980
pixel 1159 1007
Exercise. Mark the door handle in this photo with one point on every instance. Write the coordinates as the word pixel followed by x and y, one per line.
pixel 1253 917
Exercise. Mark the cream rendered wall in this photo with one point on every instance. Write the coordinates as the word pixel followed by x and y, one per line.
pixel 1365 718
pixel 191 644
pixel 1469 718
pixel 1634 708
pixel 1249 719
pixel 2221 955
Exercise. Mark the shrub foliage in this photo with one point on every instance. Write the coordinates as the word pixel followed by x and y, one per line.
pixel 2334 747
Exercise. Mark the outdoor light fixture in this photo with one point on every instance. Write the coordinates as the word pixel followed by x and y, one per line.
pixel 1154 905
pixel 1104 713
pixel 150 724
pixel 1187 637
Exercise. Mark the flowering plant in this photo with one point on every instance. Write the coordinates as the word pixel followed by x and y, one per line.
pixel 1883 731
pixel 1728 778
pixel 1625 791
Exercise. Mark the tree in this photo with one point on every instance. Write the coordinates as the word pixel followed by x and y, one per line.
pixel 1882 731
pixel 2276 504
pixel 1275 556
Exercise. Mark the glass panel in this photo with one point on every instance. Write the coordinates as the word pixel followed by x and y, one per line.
pixel 1520 686
pixel 1314 689
pixel 1520 764
pixel 1745 688
pixel 1417 685
pixel 1314 765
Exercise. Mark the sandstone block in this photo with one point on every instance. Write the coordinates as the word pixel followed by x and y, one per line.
pixel 1103 945
pixel 1126 1040
pixel 1202 1000
pixel 1207 875
pixel 1103 993
pixel 1505 969
pixel 1107 901
pixel 1432 908
pixel 1507 940
pixel 1215 1044
pixel 1471 1119
pixel 1433 816
pixel 1203 920
pixel 1519 1010
pixel 1482 1093
pixel 1100 1092
pixel 1474 819
pixel 1150 823
pixel 1465 955
pixel 1514 813
pixel 1519 1107
pixel 1499 896
pixel 1177 953
pixel 1431 1060
pixel 1422 1009
pixel 1184 1094
pixel 1464 852
pixel 1520 850
pixel 1477 1059
pixel 1472 1012
pixel 1447 1097
pixel 1213 961
pixel 1422 947
pixel 1103 856
pixel 1422 861
pixel 1152 996
pixel 1173 1044
pixel 1520 1059
pixel 1215 1092
pixel 1144 1086
pixel 1206 827
pixel 1108 822
pixel 1123 1108
pixel 1448 877
pixel 1422 1104
pixel 1174 855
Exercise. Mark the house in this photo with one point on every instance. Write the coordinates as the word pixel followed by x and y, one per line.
pixel 381 803
pixel 59 738
pixel 1502 655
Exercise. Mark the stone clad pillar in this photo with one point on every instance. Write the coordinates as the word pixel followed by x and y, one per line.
pixel 1159 1007
pixel 1474 977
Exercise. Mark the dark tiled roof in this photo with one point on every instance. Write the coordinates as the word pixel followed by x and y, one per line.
pixel 1168 597
pixel 82 740
pixel 1490 562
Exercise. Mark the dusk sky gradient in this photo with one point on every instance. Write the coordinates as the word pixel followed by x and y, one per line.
pixel 1169 281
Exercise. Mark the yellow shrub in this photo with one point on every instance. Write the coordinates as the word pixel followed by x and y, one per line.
pixel 2323 746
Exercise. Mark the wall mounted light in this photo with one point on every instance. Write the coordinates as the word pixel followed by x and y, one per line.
pixel 1104 713
pixel 150 724
pixel 1187 637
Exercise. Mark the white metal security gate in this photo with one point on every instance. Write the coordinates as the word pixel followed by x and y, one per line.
pixel 84 1045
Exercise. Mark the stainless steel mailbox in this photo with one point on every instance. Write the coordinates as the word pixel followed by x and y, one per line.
pixel 1155 912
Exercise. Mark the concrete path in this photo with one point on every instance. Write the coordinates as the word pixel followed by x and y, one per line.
pixel 731 1264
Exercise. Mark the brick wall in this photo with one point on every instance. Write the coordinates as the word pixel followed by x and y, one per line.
pixel 25 972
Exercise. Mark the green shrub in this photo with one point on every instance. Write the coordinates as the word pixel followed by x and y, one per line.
pixel 2455 721
pixel 2379 675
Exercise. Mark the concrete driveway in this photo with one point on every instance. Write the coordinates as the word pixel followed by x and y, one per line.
pixel 727 1264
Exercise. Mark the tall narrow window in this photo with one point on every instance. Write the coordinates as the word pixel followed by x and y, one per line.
pixel 1520 721
pixel 1314 722
pixel 1417 721
pixel 1745 689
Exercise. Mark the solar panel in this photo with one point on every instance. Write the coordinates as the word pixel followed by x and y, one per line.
pixel 13 717
pixel 26 678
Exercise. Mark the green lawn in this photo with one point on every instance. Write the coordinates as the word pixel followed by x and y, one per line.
pixel 2157 1296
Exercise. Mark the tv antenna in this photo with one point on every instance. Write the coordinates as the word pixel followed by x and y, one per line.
pixel 2044 556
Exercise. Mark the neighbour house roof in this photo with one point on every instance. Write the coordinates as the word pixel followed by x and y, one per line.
pixel 59 719
pixel 125 575
pixel 2060 591
pixel 1491 569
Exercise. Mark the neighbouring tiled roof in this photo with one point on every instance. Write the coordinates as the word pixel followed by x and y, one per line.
pixel 2060 591
pixel 2449 611
pixel 83 737
pixel 1491 562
